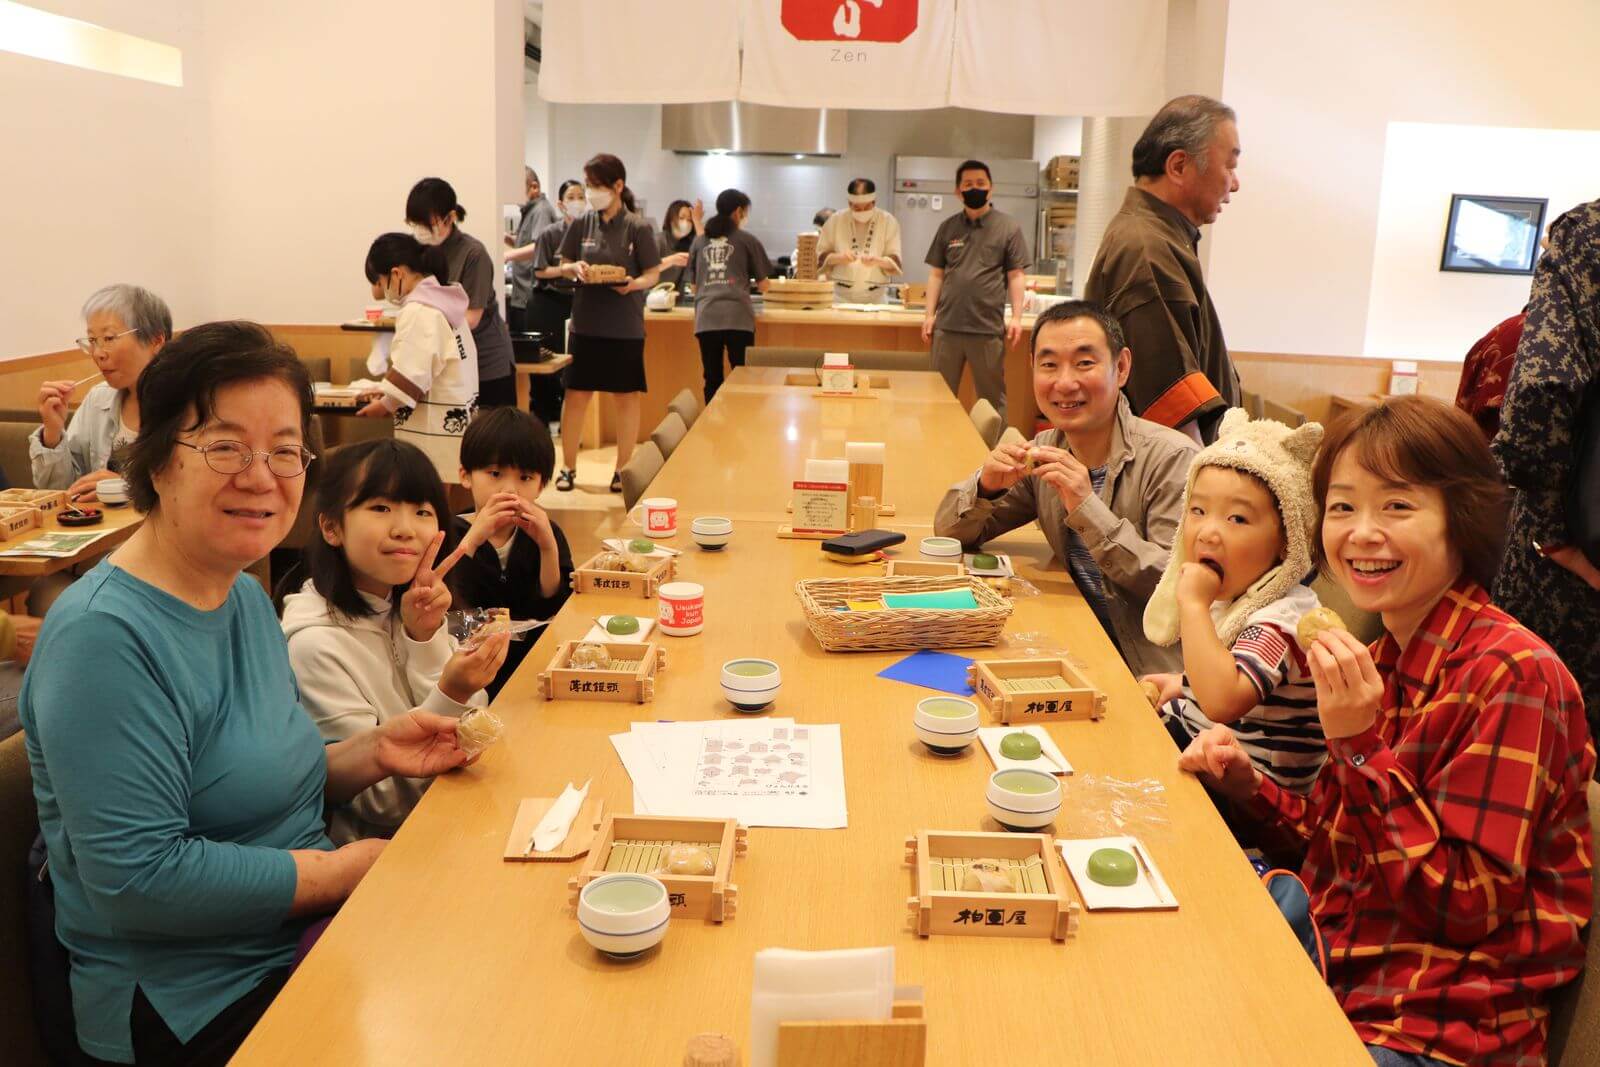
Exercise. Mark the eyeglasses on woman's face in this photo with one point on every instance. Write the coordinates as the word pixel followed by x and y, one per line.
pixel 234 457
pixel 89 344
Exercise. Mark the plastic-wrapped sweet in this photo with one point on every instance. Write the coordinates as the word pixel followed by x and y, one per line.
pixel 477 730
pixel 985 876
pixel 1314 622
pixel 609 561
pixel 590 656
pixel 637 562
pixel 687 859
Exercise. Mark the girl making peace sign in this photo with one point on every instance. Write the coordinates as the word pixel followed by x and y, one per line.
pixel 366 632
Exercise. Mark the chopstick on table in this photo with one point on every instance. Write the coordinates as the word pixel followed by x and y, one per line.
pixel 1149 876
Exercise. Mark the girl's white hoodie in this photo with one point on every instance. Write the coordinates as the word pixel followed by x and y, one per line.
pixel 357 673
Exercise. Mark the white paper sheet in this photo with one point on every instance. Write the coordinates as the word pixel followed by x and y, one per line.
pixel 763 772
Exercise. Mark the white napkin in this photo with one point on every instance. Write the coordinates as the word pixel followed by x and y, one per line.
pixel 552 829
pixel 847 983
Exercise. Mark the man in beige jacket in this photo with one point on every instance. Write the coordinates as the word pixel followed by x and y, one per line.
pixel 1104 485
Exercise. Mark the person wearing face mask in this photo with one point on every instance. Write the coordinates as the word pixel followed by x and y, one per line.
pixel 682 223
pixel 551 301
pixel 976 263
pixel 433 213
pixel 607 320
pixel 722 264
pixel 430 382
pixel 860 248
pixel 537 214
pixel 1147 271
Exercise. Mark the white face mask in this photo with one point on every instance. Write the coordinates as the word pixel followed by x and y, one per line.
pixel 863 215
pixel 599 199
pixel 681 228
pixel 425 234
pixel 574 207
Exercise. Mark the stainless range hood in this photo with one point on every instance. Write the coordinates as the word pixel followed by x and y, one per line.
pixel 754 129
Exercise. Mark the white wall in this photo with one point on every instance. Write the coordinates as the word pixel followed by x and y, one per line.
pixel 1316 87
pixel 103 179
pixel 324 115
pixel 785 192
pixel 536 131
pixel 1417 311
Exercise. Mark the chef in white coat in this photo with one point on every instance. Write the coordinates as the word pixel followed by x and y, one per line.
pixel 860 247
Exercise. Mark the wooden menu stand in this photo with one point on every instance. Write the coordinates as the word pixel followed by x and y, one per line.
pixel 898 1041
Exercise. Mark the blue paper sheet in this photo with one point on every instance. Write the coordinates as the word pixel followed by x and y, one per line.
pixel 932 670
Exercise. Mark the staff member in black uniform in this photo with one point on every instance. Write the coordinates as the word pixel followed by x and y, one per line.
pixel 607 320
pixel 432 214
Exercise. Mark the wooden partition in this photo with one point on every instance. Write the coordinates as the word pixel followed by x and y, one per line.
pixel 672 362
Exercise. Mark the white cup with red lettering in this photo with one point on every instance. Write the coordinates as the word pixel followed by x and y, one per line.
pixel 658 515
pixel 681 609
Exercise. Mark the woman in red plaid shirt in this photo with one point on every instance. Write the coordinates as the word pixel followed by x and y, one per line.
pixel 1447 839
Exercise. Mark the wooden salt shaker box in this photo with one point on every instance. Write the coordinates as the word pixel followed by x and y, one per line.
pixel 640 842
pixel 635 684
pixel 1035 690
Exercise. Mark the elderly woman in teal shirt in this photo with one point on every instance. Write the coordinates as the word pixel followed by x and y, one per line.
pixel 180 785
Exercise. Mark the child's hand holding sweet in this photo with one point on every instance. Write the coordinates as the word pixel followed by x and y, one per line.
pixel 535 522
pixel 1198 585
pixel 469 670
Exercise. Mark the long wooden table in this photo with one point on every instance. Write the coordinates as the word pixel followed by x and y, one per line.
pixel 448 954
pixel 118 525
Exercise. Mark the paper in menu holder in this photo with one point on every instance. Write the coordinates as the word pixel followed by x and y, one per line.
pixel 791 984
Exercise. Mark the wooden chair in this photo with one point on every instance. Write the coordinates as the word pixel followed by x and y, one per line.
pixel 1251 402
pixel 778 356
pixel 19 822
pixel 884 359
pixel 1575 1008
pixel 14 458
pixel 669 433
pixel 642 468
pixel 1012 436
pixel 1271 409
pixel 988 421
pixel 687 405
pixel 319 367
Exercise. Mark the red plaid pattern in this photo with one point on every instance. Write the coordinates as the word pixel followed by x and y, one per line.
pixel 1448 847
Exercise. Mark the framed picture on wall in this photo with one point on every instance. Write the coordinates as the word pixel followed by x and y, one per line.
pixel 1493 234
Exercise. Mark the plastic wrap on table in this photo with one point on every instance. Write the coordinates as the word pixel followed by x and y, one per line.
pixel 1098 805
pixel 477 730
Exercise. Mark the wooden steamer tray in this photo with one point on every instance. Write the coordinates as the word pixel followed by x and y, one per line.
pixel 16 521
pixel 798 293
pixel 1044 911
pixel 639 840
pixel 626 684
pixel 586 578
pixel 46 500
pixel 1061 693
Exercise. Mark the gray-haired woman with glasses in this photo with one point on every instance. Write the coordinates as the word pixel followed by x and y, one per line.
pixel 125 328
pixel 180 784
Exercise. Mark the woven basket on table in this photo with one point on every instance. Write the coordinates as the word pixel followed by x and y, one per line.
pixel 874 631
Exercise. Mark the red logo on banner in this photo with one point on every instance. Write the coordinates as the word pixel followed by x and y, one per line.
pixel 885 21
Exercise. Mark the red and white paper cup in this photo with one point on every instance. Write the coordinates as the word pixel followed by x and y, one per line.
pixel 681 610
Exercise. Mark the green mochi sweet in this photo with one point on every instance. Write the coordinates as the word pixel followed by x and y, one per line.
pixel 1113 866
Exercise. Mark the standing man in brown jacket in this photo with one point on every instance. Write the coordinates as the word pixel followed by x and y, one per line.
pixel 1147 272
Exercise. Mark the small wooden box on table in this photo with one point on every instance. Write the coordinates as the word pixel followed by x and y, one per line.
pixel 1035 690
pixel 1039 912
pixel 637 842
pixel 587 578
pixel 18 521
pixel 631 679
pixel 48 501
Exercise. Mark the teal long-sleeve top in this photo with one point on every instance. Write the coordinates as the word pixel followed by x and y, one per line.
pixel 174 769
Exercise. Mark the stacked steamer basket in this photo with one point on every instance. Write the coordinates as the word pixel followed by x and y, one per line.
pixel 795 294
pixel 805 262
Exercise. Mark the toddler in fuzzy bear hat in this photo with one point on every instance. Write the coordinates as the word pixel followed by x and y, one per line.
pixel 1234 592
